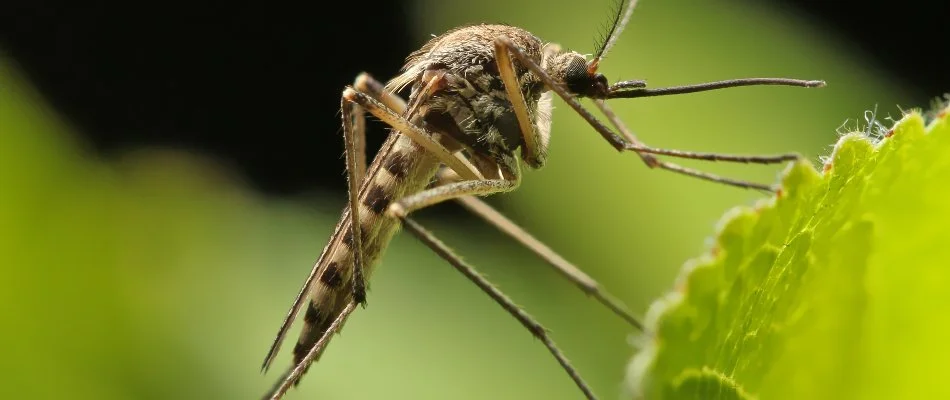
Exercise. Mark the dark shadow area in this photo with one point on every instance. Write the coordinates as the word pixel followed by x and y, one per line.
pixel 258 85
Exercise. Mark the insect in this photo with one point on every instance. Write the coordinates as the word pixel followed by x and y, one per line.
pixel 479 108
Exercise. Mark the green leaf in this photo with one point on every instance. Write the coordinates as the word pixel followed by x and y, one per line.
pixel 837 287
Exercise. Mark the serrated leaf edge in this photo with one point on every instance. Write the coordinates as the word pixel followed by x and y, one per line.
pixel 649 342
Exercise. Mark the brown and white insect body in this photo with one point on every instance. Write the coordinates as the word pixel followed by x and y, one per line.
pixel 479 108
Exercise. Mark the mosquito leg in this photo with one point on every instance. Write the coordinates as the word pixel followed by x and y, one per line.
pixel 367 84
pixel 739 158
pixel 355 117
pixel 715 178
pixel 534 148
pixel 634 144
pixel 639 147
pixel 523 317
pixel 352 139
pixel 572 273
pixel 416 133
pixel 438 194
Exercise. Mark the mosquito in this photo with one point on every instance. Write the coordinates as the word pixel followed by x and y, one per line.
pixel 479 108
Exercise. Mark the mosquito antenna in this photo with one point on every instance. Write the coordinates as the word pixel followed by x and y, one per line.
pixel 616 26
pixel 634 89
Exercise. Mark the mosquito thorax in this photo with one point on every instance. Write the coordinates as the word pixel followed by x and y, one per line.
pixel 471 105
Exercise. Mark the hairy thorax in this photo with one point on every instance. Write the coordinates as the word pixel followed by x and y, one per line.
pixel 471 104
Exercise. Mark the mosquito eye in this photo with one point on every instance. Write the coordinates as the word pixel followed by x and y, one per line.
pixel 577 67
pixel 576 78
pixel 582 83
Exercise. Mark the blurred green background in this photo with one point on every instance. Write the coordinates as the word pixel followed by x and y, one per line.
pixel 163 276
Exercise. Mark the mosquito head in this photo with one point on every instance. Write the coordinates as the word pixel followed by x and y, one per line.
pixel 575 73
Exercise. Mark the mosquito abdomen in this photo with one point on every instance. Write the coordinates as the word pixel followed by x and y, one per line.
pixel 404 168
